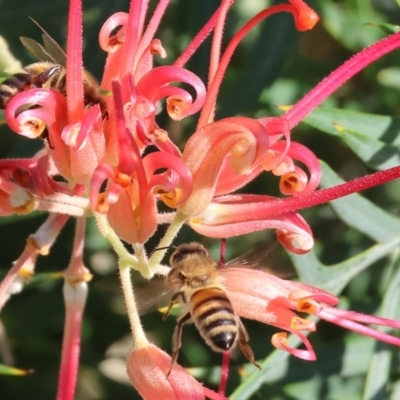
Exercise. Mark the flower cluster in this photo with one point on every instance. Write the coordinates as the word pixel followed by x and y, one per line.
pixel 119 165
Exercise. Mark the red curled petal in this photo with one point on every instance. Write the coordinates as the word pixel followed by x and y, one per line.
pixel 298 239
pixel 153 86
pixel 147 367
pixel 235 215
pixel 157 160
pixel 279 341
pixel 301 153
pixel 100 174
pixel 309 292
pixel 54 108
pixel 237 144
pixel 108 42
pixel 76 134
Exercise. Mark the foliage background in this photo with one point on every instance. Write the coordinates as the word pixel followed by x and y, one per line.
pixel 274 65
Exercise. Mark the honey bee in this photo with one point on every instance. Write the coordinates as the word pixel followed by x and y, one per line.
pixel 198 286
pixel 49 73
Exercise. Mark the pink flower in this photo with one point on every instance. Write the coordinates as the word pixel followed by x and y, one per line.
pixel 271 300
pixel 147 368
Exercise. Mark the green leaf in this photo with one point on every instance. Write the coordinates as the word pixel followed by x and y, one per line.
pixel 372 125
pixel 380 362
pixel 6 370
pixel 360 213
pixel 374 153
pixel 386 28
pixel 334 278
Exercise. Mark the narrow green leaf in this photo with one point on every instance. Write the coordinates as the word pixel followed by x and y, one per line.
pixel 334 278
pixel 386 28
pixel 380 362
pixel 6 370
pixel 372 125
pixel 374 153
pixel 361 214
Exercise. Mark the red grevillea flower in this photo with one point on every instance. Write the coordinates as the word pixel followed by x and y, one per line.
pixel 225 155
pixel 271 300
pixel 147 367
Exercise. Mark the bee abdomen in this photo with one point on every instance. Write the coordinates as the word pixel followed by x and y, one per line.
pixel 13 85
pixel 215 318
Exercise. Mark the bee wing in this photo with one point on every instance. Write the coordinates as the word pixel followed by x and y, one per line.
pixel 152 295
pixel 260 257
pixel 36 49
pixel 51 51
pixel 54 49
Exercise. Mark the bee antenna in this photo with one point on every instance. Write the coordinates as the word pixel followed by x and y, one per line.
pixel 166 247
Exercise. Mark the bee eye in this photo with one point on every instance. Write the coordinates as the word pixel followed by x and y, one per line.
pixel 181 277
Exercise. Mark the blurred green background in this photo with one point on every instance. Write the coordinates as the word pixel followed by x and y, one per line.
pixel 275 65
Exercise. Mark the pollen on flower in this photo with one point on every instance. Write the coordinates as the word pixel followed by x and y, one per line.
pixel 157 48
pixel 32 127
pixel 123 180
pixel 160 134
pixel 171 199
pixel 34 247
pixel 26 271
pixel 299 243
pixel 176 107
pixel 102 204
pixel 278 165
pixel 70 134
pixel 279 340
pixel 81 275
pixel 308 306
pixel 291 183
pixel 21 201
pixel 301 324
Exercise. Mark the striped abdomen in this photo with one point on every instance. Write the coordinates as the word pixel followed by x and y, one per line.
pixel 11 86
pixel 36 75
pixel 214 317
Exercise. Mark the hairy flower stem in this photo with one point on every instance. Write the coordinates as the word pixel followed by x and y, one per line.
pixel 108 233
pixel 226 357
pixel 75 292
pixel 338 77
pixel 138 335
pixel 166 241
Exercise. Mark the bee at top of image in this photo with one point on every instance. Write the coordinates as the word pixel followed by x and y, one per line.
pixel 194 281
pixel 48 73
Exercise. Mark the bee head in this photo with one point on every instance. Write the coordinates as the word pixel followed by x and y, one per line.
pixel 191 266
pixel 185 250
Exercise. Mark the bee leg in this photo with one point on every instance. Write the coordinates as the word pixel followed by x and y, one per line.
pixel 177 339
pixel 244 345
pixel 174 299
pixel 42 78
